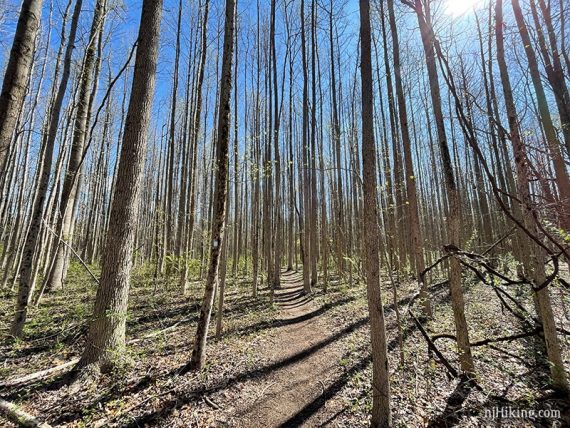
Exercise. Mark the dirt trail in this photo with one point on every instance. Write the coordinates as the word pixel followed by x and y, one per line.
pixel 292 395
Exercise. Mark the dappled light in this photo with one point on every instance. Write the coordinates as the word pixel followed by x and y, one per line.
pixel 284 213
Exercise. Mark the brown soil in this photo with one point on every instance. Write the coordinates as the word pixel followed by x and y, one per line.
pixel 304 361
pixel 287 396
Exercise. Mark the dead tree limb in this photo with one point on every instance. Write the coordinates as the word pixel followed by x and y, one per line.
pixel 43 374
pixel 16 415
pixel 433 347
pixel 72 250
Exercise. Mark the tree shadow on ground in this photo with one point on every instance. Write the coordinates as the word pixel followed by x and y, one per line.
pixel 454 405
pixel 121 391
pixel 186 396
pixel 182 398
pixel 313 407
pixel 280 322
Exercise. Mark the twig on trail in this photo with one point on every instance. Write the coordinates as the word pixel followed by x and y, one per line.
pixel 38 375
pixel 211 403
pixel 322 386
pixel 262 393
pixel 16 415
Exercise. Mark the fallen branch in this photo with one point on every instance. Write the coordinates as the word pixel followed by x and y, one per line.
pixel 159 332
pixel 506 338
pixel 432 346
pixel 490 340
pixel 16 415
pixel 43 374
pixel 211 403
pixel 443 336
pixel 263 391
pixel 72 250
pixel 38 375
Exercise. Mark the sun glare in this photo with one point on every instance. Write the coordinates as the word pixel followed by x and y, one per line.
pixel 457 8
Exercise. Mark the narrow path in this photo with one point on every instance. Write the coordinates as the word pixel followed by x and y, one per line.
pixel 292 394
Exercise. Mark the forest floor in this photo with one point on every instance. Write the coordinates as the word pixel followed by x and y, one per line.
pixel 302 361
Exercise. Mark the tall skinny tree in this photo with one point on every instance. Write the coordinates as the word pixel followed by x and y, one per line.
pixel 381 416
pixel 220 190
pixel 27 277
pixel 72 178
pixel 534 260
pixel 106 338
pixel 422 11
pixel 560 168
pixel 17 74
pixel 415 227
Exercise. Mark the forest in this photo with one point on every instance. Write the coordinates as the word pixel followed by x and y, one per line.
pixel 284 213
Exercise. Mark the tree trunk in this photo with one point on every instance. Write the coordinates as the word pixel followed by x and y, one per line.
pixel 454 215
pixel 535 260
pixel 27 277
pixel 220 189
pixel 417 244
pixel 106 338
pixel 72 179
pixel 17 74
pixel 305 164
pixel 561 172
pixel 381 416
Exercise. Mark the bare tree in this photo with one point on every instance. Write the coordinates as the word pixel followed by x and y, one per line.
pixel 17 74
pixel 534 256
pixel 381 415
pixel 27 276
pixel 220 189
pixel 72 180
pixel 106 338
pixel 422 10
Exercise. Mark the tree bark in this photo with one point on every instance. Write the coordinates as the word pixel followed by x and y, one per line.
pixel 561 172
pixel 534 258
pixel 106 338
pixel 417 244
pixel 27 277
pixel 17 74
pixel 381 415
pixel 220 189
pixel 454 215
pixel 72 179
